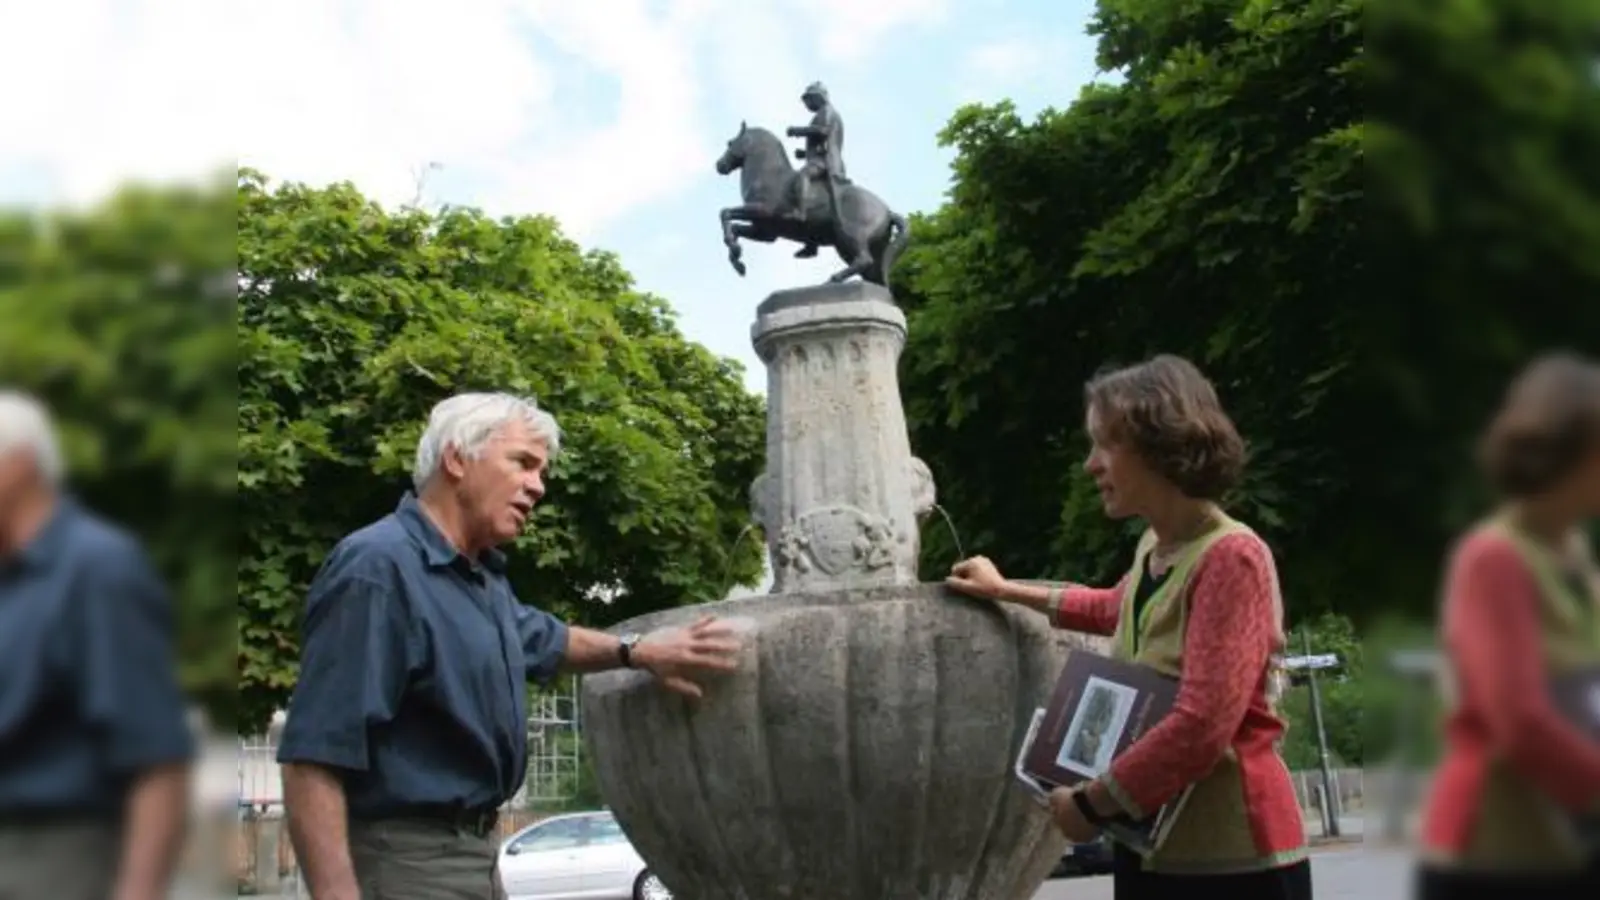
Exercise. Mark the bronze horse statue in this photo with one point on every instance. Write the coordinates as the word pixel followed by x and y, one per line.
pixel 867 235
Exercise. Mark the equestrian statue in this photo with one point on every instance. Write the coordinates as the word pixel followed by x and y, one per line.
pixel 817 206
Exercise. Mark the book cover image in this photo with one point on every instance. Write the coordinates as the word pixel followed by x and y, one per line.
pixel 1095 729
pixel 1099 707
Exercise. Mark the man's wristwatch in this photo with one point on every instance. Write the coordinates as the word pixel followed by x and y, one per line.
pixel 625 649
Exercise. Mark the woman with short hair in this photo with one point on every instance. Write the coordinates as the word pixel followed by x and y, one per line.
pixel 1521 608
pixel 1200 604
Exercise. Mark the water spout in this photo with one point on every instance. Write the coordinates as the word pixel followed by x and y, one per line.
pixel 727 572
pixel 954 535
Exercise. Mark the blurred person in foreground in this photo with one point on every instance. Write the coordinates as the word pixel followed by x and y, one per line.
pixel 95 748
pixel 1201 604
pixel 1520 610
pixel 408 727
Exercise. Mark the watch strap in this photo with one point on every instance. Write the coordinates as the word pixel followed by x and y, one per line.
pixel 625 650
pixel 1090 814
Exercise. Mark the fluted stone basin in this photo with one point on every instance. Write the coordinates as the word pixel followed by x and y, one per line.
pixel 862 751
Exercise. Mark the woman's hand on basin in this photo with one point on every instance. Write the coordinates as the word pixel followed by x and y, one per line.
pixel 978 577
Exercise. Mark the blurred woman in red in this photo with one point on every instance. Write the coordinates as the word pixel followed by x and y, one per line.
pixel 1521 608
pixel 1200 604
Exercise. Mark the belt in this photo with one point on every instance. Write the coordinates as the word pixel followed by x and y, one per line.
pixel 483 823
pixel 477 821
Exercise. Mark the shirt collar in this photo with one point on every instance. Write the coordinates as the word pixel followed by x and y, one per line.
pixel 436 548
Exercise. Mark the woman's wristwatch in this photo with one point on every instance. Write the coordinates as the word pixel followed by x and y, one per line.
pixel 1090 814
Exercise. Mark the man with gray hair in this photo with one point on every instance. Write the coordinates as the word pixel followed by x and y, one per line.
pixel 407 729
pixel 94 744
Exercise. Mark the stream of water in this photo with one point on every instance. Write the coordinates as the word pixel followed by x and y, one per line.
pixel 954 535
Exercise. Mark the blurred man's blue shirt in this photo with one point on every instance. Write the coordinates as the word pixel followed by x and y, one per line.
pixel 89 696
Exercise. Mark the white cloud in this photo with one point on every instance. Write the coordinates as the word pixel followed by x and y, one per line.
pixel 1006 60
pixel 656 141
pixel 370 90
pixel 754 67
pixel 850 29
pixel 999 64
pixel 997 68
pixel 373 90
pixel 676 73
pixel 98 90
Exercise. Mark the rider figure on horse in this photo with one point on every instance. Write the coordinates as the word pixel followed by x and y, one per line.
pixel 824 158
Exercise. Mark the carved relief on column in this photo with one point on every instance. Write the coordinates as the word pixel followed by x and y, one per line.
pixel 842 494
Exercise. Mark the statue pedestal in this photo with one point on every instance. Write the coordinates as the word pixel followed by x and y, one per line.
pixel 863 750
pixel 842 496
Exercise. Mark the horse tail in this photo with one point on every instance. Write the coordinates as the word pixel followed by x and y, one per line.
pixel 897 245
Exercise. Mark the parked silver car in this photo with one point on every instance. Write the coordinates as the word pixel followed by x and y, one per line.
pixel 576 856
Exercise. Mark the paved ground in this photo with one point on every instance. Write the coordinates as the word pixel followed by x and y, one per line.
pixel 1349 872
pixel 1343 871
pixel 1351 826
pixel 1356 873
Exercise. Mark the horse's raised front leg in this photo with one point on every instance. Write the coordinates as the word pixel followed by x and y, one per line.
pixel 730 238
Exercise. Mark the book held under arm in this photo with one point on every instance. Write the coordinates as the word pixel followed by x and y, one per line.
pixel 1100 706
pixel 1576 696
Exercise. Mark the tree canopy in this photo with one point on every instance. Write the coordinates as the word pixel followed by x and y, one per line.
pixel 354 321
pixel 242 406
pixel 1215 203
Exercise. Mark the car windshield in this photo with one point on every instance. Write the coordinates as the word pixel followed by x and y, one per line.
pixel 606 830
pixel 559 834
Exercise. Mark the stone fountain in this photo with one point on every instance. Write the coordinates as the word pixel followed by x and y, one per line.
pixel 863 749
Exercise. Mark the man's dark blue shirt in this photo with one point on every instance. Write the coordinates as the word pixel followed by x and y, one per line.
pixel 413 671
pixel 89 696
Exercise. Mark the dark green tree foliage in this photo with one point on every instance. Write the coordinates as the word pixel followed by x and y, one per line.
pixel 1215 204
pixel 1484 221
pixel 354 321
pixel 120 317
pixel 1181 211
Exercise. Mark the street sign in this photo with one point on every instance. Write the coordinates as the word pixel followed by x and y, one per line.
pixel 1319 661
pixel 1310 663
